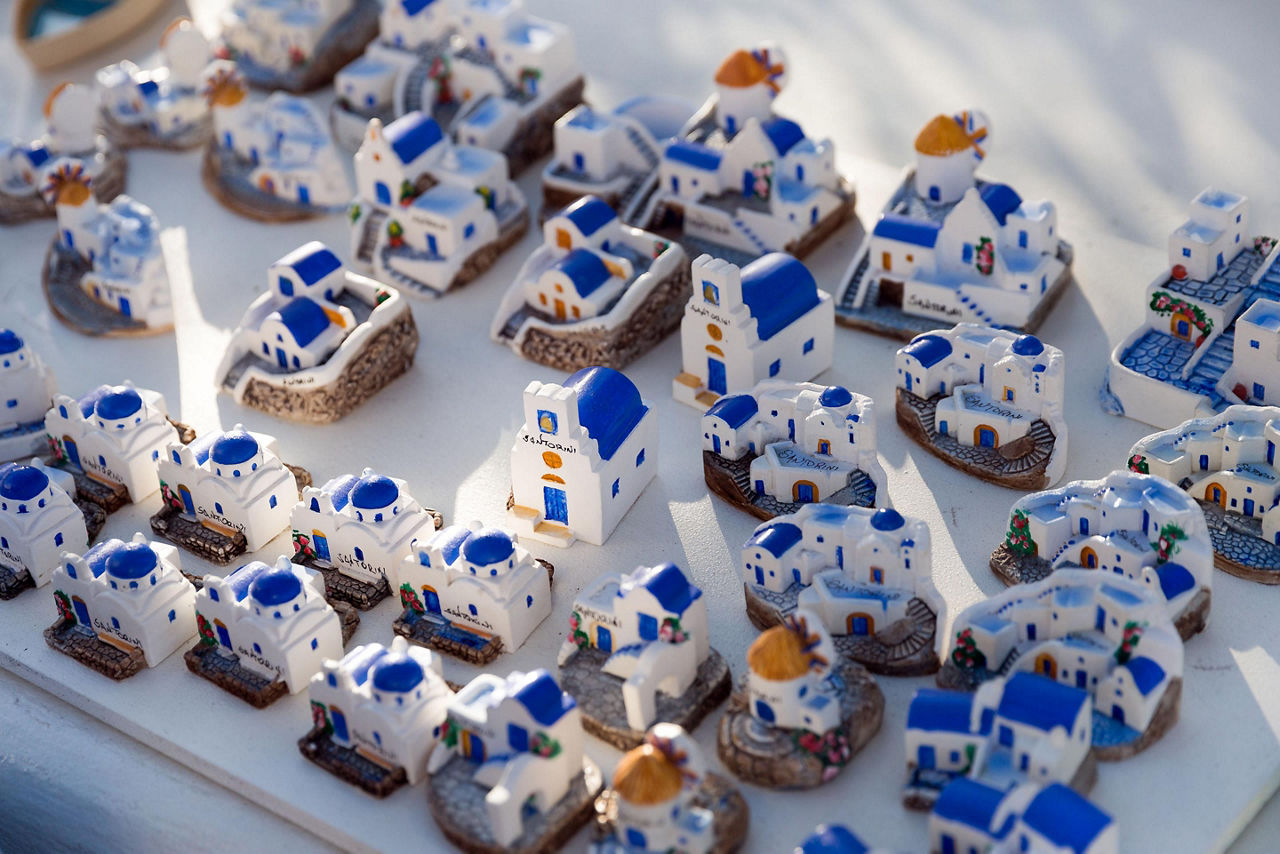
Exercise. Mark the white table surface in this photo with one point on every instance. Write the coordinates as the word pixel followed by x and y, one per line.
pixel 1117 113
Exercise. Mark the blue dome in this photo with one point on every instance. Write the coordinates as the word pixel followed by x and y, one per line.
pixel 887 519
pixel 373 492
pixel 275 586
pixel 1028 345
pixel 22 483
pixel 131 561
pixel 832 839
pixel 10 341
pixel 117 404
pixel 487 546
pixel 397 672
pixel 836 395
pixel 233 447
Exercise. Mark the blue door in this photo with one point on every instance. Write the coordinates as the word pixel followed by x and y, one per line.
pixel 339 724
pixel 760 575
pixel 518 738
pixel 125 309
pixel 1100 619
pixel 648 627
pixel 1219 260
pixel 636 840
pixel 1259 392
pixel 715 443
pixel 579 162
pixel 1248 507
pixel 791 429
pixel 73 453
pixel 748 182
pixel 382 192
pixel 877 575
pixel 715 376
pixel 675 185
pixel 223 637
pixel 986 437
pixel 934 193
pixel 321 543
pixel 1271 453
pixel 1117 713
pixel 1031 631
pixel 730 125
pixel 304 194
pixel 927 757
pixel 67 239
pixel 1204 462
pixel 795 576
pixel 1084 525
pixel 942 428
pixel 431 244
pixel 281 359
pixel 1006 736
pixel 557 506
pixel 1024 762
pixel 1184 329
pixel 840 556
pixel 1082 679
pixel 804 493
pixel 433 600
pixel 604 639
pixel 813 216
pixel 187 504
pixel 764 711
pixel 858 626
pixel 908 382
pixel 948 842
pixel 82 613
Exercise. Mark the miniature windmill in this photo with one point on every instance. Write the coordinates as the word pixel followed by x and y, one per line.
pixel 223 85
pixel 68 186
pixel 977 127
pixel 773 66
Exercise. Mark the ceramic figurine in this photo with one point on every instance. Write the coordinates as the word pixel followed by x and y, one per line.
pixel 950 246
pixel 121 606
pixel 587 449
pixel 1156 533
pixel 40 517
pixel 767 320
pixel 27 386
pixel 663 799
pixel 70 113
pixel 801 713
pixel 835 839
pixel 1226 464
pixel 104 273
pixel 511 774
pixel 109 441
pixel 865 574
pixel 782 445
pixel 987 401
pixel 1211 336
pixel 296 45
pixel 51 34
pixel 1023 728
pixel 225 494
pixel 490 73
pixel 972 816
pixel 163 107
pixel 271 161
pixel 638 652
pixel 430 215
pixel 319 342
pixel 472 592
pixel 376 715
pixel 1093 630
pixel 596 292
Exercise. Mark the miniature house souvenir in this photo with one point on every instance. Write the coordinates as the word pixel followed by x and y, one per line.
pixel 1227 465
pixel 864 574
pixel 663 799
pixel 638 652
pixel 70 114
pixel 587 450
pixel 263 631
pixel 767 320
pixel 319 342
pixel 357 530
pixel 225 494
pixel 953 247
pixel 801 713
pixel 596 292
pixel 511 774
pixel 296 45
pixel 835 839
pixel 121 606
pixel 1211 336
pixel 472 592
pixel 376 715
pixel 1128 523
pixel 273 160
pixel 973 816
pixel 784 444
pixel 1093 630
pixel 40 518
pixel 499 83
pixel 162 107
pixel 430 215
pixel 1023 728
pixel 987 401
pixel 27 386
pixel 104 273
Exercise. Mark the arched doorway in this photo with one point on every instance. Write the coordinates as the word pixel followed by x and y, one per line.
pixel 860 623
pixel 1088 558
pixel 1046 666
pixel 1215 493
pixel 804 492
pixel 984 436
pixel 432 599
pixel 1180 326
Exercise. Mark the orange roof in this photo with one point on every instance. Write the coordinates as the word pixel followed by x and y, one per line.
pixel 943 136
pixel 741 69
pixel 777 654
pixel 645 776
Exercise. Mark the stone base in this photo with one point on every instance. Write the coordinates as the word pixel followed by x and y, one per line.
pixel 923 787
pixel 345 40
pixel 139 136
pixel 827 225
pixel 383 357
pixel 227 673
pixel 533 136
pixel 71 638
pixel 108 497
pixel 1026 471
pixel 349 766
pixel 14 581
pixel 604 714
pixel 457 803
pixel 60 277
pixel 772 757
pixel 108 184
pixel 225 177
pixel 343 589
pixel 731 817
pixel 555 199
pixel 726 478
pixel 1238 547
pixel 213 546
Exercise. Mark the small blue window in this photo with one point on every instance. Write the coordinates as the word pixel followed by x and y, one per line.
pixel 257 649
pixel 469 231
pixel 472 609
pixel 173 615
pixel 1186 252
pixel 213 594
pixel 57 539
pixel 528 601
pixel 115 624
pixel 1022 239
pixel 359 553
pixel 284 285
pixel 1255 344
pixel 808 346
pixel 617 484
pixel 640 458
pixel 12 403
pixel 273 502
pixel 775 367
pixel 176 458
pixel 966 253
pixel 217 508
pixel 315 644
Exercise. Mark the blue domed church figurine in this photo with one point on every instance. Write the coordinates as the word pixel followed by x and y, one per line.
pixel 40 518
pixel 27 387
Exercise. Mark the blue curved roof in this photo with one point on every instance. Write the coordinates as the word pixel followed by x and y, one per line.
pixel 243 577
pixel 609 406
pixel 542 697
pixel 1040 702
pixel 1027 345
pixel 887 519
pixel 488 546
pixel 1065 818
pixel 836 395
pixel 117 404
pixel 906 229
pixel 783 133
pixel 589 214
pixel 1147 674
pixel 970 803
pixel 304 318
pixel 233 447
pixel 130 561
pixel 928 349
pixel 585 270
pixel 275 586
pixel 940 711
pixel 776 537
pixel 362 660
pixel 777 289
pixel 832 839
pixel 373 492
pixel 668 584
pixel 396 672
pixel 450 540
pixel 1174 579
pixel 21 483
pixel 413 7
pixel 1001 200
pixel 693 154
pixel 339 490
pixel 735 409
pixel 10 341
pixel 89 401
pixel 311 261
pixel 412 134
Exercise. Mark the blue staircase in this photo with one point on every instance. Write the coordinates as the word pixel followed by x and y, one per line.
pixel 642 145
pixel 1213 364
pixel 1268 285
pixel 976 309
pixel 751 236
